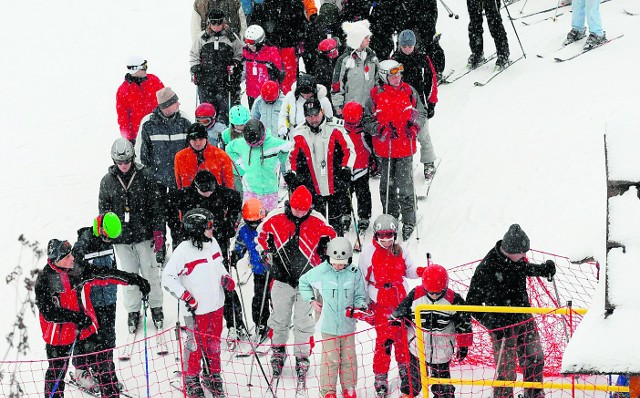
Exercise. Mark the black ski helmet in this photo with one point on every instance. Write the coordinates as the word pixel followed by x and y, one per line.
pixel 254 132
pixel 196 221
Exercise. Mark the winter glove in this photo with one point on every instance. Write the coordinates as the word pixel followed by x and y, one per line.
pixel 387 346
pixel 462 353
pixel 386 132
pixel 431 110
pixel 235 257
pixel 374 166
pixel 161 256
pixel 291 179
pixel 228 283
pixel 82 321
pixel 549 269
pixel 420 271
pixel 394 320
pixel 195 71
pixel 143 285
pixel 192 303
pixel 361 314
pixel 158 241
pixel 313 17
pixel 412 130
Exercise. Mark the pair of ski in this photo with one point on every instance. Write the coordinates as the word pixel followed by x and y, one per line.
pixel 94 391
pixel 582 50
pixel 301 386
pixel 496 72
pixel 160 345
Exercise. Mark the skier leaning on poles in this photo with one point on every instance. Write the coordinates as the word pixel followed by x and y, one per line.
pixel 501 280
pixel 68 320
pixel 292 240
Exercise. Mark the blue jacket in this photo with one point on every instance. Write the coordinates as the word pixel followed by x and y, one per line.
pixel 246 241
pixel 339 290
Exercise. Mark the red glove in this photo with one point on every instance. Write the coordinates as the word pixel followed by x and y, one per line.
pixel 228 283
pixel 412 131
pixel 385 132
pixel 362 314
pixel 192 303
pixel 230 69
pixel 158 241
pixel 420 271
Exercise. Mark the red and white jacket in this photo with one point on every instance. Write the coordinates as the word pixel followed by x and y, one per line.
pixel 362 150
pixel 198 271
pixel 256 68
pixel 395 114
pixel 314 155
pixel 135 101
pixel 384 274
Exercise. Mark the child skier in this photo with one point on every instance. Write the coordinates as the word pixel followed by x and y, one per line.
pixel 341 286
pixel 253 212
pixel 440 330
pixel 206 116
pixel 239 115
pixel 195 273
pixel 352 115
pixel 385 265
pixel 267 106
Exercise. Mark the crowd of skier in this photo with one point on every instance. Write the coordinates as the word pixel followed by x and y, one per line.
pixel 357 112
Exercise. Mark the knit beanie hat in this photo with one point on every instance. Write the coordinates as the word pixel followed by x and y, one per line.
pixel 301 199
pixel 166 97
pixel 407 38
pixel 356 32
pixel 515 240
pixel 58 249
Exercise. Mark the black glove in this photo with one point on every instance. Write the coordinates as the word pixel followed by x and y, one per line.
pixel 291 179
pixel 462 353
pixel 195 71
pixel 82 321
pixel 143 285
pixel 431 110
pixel 549 268
pixel 394 320
pixel 313 17
pixel 235 257
pixel 161 255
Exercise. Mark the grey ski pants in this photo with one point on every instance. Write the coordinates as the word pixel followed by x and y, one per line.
pixel 286 302
pixel 400 174
pixel 138 258
pixel 427 154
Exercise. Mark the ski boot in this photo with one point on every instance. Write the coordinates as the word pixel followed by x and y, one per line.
pixel 158 317
pixel 277 359
pixel 407 230
pixel 302 367
pixel 85 380
pixel 133 322
pixel 502 61
pixel 574 35
pixel 429 171
pixel 194 389
pixel 594 41
pixel 381 385
pixel 215 385
pixel 363 224
pixel 262 334
pixel 475 60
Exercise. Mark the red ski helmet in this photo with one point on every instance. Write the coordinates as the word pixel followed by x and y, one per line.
pixel 206 114
pixel 270 91
pixel 329 47
pixel 435 278
pixel 352 113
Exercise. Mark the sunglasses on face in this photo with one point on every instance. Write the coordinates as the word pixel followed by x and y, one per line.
pixel 385 234
pixel 216 21
pixel 123 162
pixel 205 187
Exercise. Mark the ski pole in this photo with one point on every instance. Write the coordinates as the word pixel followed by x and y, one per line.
pixel 63 371
pixel 564 323
pixel 429 259
pixel 415 199
pixel 244 312
pixel 555 14
pixel 264 298
pixel 524 5
pixel 449 10
pixel 386 203
pixel 358 244
pixel 146 346
pixel 514 29
pixel 264 374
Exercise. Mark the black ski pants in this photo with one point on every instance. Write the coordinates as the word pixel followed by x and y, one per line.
pixel 259 307
pixel 232 312
pixel 494 20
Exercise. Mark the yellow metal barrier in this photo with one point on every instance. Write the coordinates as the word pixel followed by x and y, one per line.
pixel 426 379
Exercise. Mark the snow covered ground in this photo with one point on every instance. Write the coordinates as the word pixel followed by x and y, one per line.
pixel 525 149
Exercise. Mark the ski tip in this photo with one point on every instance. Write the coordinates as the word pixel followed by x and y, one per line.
pixel 558 59
pixel 478 84
pixel 539 56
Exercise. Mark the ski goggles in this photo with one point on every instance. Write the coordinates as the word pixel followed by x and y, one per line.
pixel 386 234
pixel 205 186
pixel 250 42
pixel 205 121
pixel 123 162
pixel 215 21
pixel 397 70
pixel 134 68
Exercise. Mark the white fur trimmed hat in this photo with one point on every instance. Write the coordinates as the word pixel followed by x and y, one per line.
pixel 356 32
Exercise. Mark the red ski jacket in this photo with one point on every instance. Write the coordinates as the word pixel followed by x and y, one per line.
pixel 135 101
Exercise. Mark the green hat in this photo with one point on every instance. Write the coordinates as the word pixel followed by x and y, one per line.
pixel 107 225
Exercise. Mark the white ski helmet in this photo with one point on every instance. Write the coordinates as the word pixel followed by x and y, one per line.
pixel 122 150
pixel 254 35
pixel 340 250
pixel 136 63
pixel 385 222
pixel 389 67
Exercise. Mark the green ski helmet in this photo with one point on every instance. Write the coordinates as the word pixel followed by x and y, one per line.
pixel 239 115
pixel 107 225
